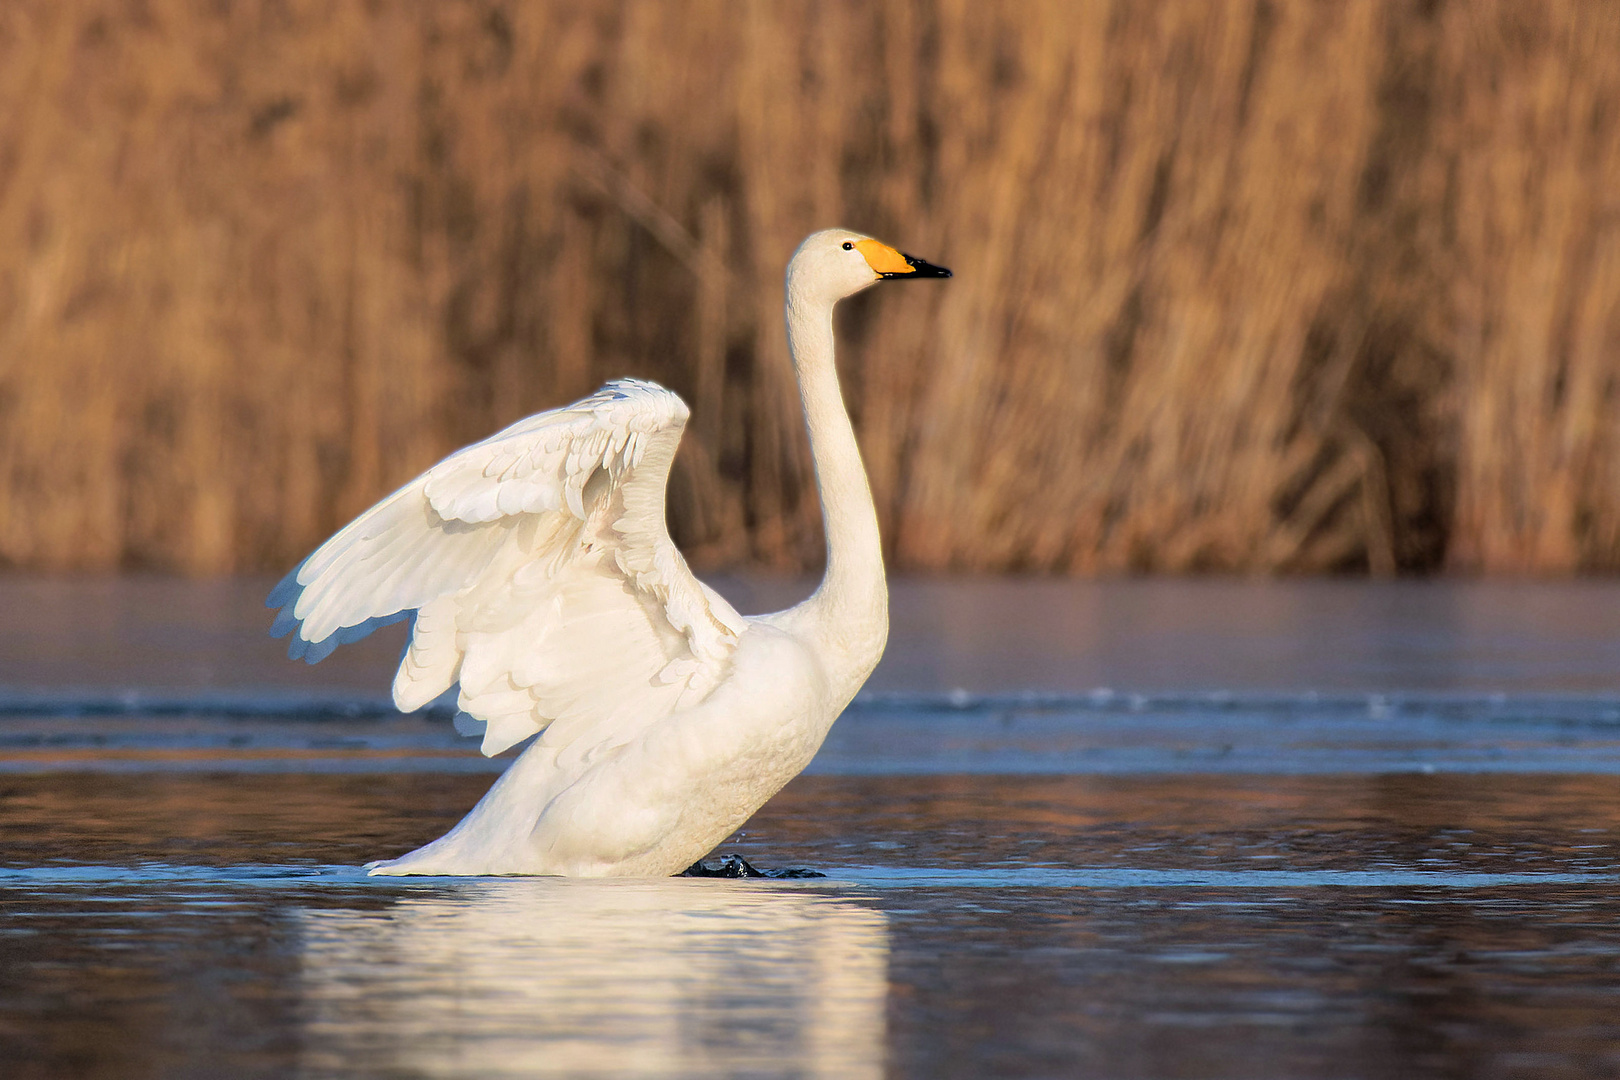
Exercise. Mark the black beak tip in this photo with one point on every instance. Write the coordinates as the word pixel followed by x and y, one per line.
pixel 921 268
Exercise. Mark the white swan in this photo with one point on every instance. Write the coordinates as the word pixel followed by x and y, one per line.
pixel 543 578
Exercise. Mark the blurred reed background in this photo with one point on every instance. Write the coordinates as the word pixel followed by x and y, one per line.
pixel 1242 286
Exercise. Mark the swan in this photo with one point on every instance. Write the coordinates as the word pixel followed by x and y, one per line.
pixel 539 574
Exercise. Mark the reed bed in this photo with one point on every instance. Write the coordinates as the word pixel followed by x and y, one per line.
pixel 1241 287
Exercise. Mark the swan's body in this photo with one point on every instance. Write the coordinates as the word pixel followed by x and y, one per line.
pixel 543 579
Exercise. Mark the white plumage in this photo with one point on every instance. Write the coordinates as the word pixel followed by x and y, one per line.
pixel 543 580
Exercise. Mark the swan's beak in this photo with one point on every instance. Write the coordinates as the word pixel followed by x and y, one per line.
pixel 917 268
pixel 889 263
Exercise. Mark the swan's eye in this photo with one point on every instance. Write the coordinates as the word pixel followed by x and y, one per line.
pixel 848 246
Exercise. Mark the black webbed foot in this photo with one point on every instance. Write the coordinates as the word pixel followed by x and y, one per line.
pixel 735 866
pixel 728 866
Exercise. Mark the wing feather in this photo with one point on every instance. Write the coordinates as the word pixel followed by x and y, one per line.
pixel 541 576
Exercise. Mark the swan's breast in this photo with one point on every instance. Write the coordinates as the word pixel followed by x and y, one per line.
pixel 695 776
pixel 768 716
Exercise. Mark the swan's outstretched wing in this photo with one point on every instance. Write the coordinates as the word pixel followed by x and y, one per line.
pixel 541 575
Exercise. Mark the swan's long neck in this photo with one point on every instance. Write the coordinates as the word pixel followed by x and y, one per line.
pixel 850 611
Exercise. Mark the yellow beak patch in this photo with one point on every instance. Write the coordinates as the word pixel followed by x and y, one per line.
pixel 882 258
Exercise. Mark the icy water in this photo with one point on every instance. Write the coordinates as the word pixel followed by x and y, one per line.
pixel 1131 830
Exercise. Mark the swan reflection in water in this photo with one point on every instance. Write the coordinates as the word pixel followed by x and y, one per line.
pixel 546 976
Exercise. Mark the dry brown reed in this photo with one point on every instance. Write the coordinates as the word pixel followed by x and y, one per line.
pixel 1251 286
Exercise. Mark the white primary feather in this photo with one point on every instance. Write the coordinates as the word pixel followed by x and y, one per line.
pixel 541 572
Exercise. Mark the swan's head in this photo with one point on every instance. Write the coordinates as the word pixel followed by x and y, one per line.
pixel 835 263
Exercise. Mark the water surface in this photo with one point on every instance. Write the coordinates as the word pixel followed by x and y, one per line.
pixel 1212 831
